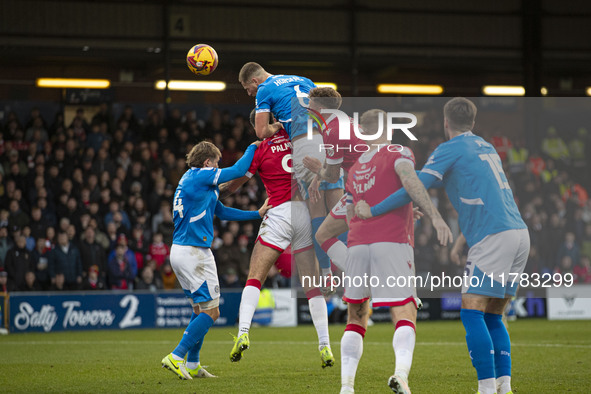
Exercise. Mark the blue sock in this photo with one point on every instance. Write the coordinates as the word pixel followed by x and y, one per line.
pixel 502 343
pixel 323 259
pixel 193 354
pixel 480 344
pixel 194 333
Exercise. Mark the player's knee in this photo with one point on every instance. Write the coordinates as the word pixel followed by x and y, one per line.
pixel 497 305
pixel 320 236
pixel 214 313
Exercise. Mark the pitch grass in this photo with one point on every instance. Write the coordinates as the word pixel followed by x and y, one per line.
pixel 547 357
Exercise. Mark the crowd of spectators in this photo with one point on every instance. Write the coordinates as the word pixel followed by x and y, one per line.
pixel 88 205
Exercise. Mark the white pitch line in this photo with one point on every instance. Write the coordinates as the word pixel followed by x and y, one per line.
pixel 294 343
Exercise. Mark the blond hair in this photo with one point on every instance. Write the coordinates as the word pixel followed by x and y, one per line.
pixel 370 120
pixel 201 152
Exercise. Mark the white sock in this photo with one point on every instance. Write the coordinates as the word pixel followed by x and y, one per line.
pixel 351 351
pixel 338 254
pixel 404 345
pixel 320 319
pixel 192 365
pixel 176 358
pixel 326 272
pixel 248 304
pixel 487 386
pixel 503 384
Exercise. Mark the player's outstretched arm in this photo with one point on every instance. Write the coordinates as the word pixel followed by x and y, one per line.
pixel 240 167
pixel 229 188
pixel 394 200
pixel 226 213
pixel 417 191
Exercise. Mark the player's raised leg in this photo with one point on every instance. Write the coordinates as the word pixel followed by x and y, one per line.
pixel 262 259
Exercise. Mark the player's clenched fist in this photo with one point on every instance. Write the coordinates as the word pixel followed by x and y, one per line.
pixel 363 210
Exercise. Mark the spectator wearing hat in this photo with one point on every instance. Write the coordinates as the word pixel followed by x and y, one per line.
pixel 229 279
pixel 94 279
pixel 65 259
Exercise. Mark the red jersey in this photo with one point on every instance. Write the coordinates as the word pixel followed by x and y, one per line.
pixel 273 161
pixel 373 178
pixel 340 151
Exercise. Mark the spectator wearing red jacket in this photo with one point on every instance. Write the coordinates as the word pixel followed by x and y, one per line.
pixel 159 250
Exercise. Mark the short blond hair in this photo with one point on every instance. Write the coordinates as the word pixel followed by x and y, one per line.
pixel 249 71
pixel 460 114
pixel 370 120
pixel 326 97
pixel 201 152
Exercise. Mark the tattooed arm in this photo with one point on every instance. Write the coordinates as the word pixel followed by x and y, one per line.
pixel 416 190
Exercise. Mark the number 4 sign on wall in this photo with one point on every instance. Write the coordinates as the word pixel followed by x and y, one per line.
pixel 179 26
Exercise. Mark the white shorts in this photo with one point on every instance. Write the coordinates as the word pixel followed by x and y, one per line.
pixel 502 255
pixel 288 223
pixel 383 271
pixel 303 147
pixel 196 271
pixel 339 211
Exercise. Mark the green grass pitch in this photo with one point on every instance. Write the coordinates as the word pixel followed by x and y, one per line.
pixel 548 357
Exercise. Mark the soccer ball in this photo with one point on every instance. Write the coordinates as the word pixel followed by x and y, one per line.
pixel 202 59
